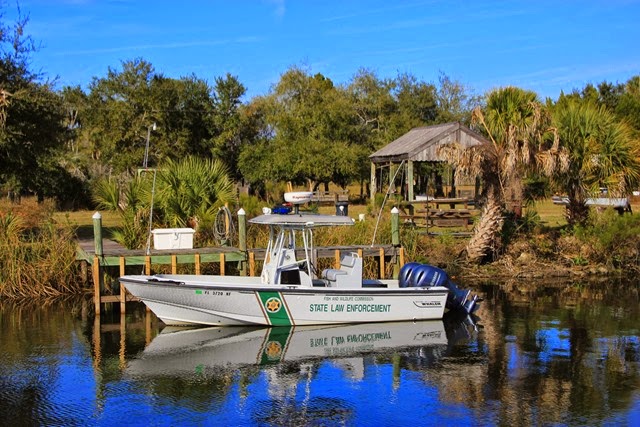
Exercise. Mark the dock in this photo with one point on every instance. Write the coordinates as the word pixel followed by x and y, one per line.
pixel 108 257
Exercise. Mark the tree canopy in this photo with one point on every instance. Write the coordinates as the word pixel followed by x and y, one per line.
pixel 32 130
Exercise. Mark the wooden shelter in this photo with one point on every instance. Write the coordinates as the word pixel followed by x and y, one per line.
pixel 419 145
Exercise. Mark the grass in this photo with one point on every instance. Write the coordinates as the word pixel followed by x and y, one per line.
pixel 37 254
pixel 82 222
pixel 550 214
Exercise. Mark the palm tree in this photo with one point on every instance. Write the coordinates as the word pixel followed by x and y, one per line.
pixel 602 152
pixel 191 191
pixel 517 126
pixel 129 197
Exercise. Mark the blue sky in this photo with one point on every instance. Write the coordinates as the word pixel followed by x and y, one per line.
pixel 545 46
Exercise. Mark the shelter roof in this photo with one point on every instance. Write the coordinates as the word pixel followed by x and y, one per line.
pixel 421 144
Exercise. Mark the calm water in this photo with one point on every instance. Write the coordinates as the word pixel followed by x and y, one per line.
pixel 537 355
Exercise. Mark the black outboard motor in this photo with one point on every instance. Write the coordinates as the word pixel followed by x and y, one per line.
pixel 415 274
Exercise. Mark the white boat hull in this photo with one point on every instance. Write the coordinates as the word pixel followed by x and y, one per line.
pixel 227 300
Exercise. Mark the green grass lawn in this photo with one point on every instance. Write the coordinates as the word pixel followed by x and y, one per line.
pixel 83 221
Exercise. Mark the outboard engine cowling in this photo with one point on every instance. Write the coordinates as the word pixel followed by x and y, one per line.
pixel 427 275
pixel 414 274
pixel 405 274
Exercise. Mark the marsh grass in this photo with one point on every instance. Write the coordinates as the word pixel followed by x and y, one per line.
pixel 37 254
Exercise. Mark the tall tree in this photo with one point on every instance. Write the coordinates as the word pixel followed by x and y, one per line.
pixel 517 126
pixel 308 134
pixel 602 152
pixel 121 114
pixel 455 102
pixel 32 130
pixel 230 126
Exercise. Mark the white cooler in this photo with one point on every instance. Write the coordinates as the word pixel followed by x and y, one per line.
pixel 173 238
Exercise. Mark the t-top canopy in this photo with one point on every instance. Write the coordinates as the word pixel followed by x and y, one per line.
pixel 307 220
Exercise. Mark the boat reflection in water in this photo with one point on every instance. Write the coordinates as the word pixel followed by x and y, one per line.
pixel 181 352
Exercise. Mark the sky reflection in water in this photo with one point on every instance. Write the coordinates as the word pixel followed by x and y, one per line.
pixel 567 355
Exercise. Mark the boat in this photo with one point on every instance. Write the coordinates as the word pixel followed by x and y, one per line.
pixel 290 292
pixel 183 351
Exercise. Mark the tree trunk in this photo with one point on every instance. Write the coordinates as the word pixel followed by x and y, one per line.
pixel 514 196
pixel 577 212
pixel 486 233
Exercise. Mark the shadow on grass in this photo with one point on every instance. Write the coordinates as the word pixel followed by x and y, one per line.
pixel 85 232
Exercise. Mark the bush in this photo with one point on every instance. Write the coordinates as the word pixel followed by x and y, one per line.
pixel 612 239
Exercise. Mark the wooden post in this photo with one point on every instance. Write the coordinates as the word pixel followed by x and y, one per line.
pixel 123 291
pixel 395 237
pixel 252 264
pixel 97 233
pixel 382 270
pixel 336 260
pixel 395 226
pixel 410 196
pixel 96 283
pixel 392 173
pixel 372 185
pixel 401 256
pixel 197 263
pixel 242 238
pixel 222 264
pixel 147 268
pixel 174 264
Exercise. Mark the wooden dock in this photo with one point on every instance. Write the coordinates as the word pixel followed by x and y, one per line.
pixel 106 255
pixel 114 255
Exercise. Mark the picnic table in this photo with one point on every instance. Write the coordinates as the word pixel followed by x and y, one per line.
pixel 429 212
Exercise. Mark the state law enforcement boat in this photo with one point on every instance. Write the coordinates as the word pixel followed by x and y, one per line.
pixel 288 292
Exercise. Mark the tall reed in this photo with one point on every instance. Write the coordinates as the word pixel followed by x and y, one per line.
pixel 37 255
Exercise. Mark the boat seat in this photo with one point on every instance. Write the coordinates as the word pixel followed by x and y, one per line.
pixel 348 275
pixel 332 274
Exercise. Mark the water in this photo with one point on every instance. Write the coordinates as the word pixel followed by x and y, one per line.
pixel 537 355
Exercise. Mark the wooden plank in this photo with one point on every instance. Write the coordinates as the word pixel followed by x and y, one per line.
pixel 196 260
pixel 450 222
pixel 222 265
pixel 382 269
pixel 252 264
pixel 447 211
pixel 174 264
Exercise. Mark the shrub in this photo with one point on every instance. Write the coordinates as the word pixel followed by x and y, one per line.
pixel 612 239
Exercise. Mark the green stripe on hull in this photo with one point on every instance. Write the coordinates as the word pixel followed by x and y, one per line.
pixel 273 305
pixel 275 345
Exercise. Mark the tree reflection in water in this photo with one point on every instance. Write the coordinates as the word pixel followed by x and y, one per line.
pixel 538 354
